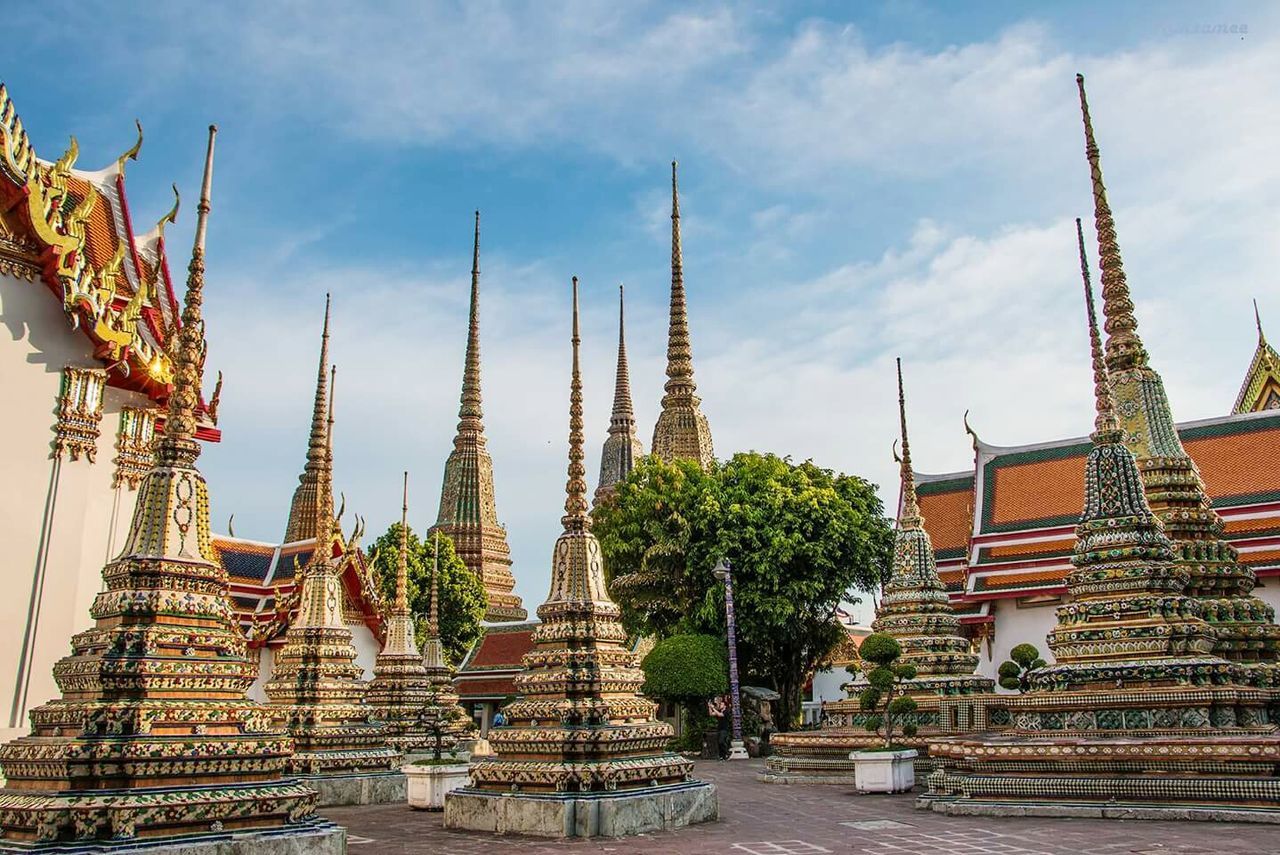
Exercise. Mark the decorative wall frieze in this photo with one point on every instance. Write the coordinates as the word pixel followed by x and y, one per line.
pixel 79 412
pixel 134 452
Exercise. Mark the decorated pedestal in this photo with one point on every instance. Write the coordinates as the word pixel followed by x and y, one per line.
pixel 429 782
pixel 884 771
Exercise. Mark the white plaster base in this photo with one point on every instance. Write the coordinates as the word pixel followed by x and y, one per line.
pixel 319 838
pixel 583 814
pixel 372 788
pixel 884 771
pixel 427 785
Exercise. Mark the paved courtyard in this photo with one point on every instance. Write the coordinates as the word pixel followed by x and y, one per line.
pixel 770 819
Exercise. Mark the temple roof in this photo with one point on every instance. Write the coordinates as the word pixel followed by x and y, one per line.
pixel 73 229
pixel 1261 387
pixel 1026 500
pixel 488 670
pixel 263 584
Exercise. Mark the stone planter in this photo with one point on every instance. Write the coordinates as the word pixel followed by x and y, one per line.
pixel 428 784
pixel 883 771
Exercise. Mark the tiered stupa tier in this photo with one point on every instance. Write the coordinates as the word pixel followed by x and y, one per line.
pixel 623 447
pixel 443 714
pixel 1246 627
pixel 682 431
pixel 914 609
pixel 582 754
pixel 468 514
pixel 1137 718
pixel 316 688
pixel 153 742
pixel 401 689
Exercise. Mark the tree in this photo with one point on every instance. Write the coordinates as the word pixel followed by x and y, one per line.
pixel 1014 672
pixel 688 670
pixel 883 695
pixel 800 538
pixel 462 597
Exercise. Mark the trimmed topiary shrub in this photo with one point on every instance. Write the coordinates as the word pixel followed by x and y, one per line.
pixel 1014 672
pixel 883 696
pixel 688 670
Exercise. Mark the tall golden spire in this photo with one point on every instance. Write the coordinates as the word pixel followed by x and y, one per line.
pixel 433 613
pixel 470 413
pixel 1124 349
pixel 1106 426
pixel 622 447
pixel 324 481
pixel 910 505
pixel 302 511
pixel 575 502
pixel 402 559
pixel 682 431
pixel 679 349
pixel 178 444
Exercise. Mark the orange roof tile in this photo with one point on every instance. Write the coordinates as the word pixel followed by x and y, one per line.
pixel 501 649
pixel 1230 464
pixel 1031 550
pixel 948 518
pixel 1044 489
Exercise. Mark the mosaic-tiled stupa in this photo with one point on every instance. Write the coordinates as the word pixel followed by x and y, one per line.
pixel 914 609
pixel 623 447
pixel 443 715
pixel 582 755
pixel 1246 628
pixel 682 431
pixel 1137 718
pixel 468 512
pixel 316 688
pixel 153 743
pixel 401 689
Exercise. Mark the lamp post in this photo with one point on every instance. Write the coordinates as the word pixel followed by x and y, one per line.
pixel 737 748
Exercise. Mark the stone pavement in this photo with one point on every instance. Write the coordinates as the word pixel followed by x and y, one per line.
pixel 775 819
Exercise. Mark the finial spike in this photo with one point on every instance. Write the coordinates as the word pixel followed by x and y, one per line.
pixel 402 564
pixel 1105 424
pixel 1124 349
pixel 179 442
pixel 679 349
pixel 470 412
pixel 910 506
pixel 1257 319
pixel 433 615
pixel 575 503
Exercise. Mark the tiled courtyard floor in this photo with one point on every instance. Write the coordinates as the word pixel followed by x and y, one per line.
pixel 771 819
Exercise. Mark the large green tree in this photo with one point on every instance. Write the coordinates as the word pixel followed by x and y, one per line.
pixel 462 598
pixel 800 538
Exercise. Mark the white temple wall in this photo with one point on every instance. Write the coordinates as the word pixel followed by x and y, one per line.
pixel 1268 590
pixel 266 666
pixel 367 647
pixel 1016 624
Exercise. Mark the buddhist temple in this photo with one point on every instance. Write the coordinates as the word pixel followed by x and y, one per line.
pixel 682 431
pixel 582 755
pixel 1138 717
pixel 153 742
pixel 623 447
pixel 401 689
pixel 86 369
pixel 914 608
pixel 316 688
pixel 1261 388
pixel 468 513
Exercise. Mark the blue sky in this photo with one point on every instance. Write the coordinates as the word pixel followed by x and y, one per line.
pixel 859 181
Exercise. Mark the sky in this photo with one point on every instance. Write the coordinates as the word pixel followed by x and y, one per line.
pixel 858 182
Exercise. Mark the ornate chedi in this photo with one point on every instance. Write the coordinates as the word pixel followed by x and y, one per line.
pixel 444 718
pixel 582 755
pixel 316 688
pixel 914 609
pixel 303 509
pixel 153 743
pixel 1247 632
pixel 401 689
pixel 468 514
pixel 682 431
pixel 1137 717
pixel 623 447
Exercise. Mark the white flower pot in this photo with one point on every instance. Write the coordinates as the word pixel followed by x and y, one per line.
pixel 884 771
pixel 428 784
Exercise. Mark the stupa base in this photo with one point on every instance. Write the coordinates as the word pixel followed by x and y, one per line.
pixel 361 788
pixel 561 815
pixel 822 756
pixel 318 837
pixel 1220 776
